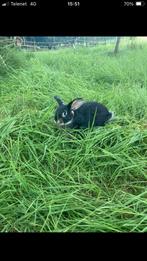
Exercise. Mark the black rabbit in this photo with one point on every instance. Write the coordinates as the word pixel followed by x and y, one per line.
pixel 81 114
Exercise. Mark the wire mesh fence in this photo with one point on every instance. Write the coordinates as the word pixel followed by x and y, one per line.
pixel 54 42
pixel 61 42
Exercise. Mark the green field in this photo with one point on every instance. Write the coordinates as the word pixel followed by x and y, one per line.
pixel 54 180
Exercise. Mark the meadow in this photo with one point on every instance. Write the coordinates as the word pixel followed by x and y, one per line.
pixel 55 180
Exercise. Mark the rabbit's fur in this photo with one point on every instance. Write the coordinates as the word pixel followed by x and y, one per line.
pixel 81 114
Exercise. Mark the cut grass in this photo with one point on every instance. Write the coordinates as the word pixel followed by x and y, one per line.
pixel 55 180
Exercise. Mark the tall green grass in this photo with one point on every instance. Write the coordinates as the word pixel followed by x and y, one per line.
pixel 56 180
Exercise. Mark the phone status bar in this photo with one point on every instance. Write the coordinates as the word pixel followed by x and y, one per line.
pixel 72 4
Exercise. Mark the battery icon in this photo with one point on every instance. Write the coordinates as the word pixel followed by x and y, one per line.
pixel 140 3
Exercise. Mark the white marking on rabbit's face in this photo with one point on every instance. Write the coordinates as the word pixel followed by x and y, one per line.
pixel 67 123
pixel 64 114
pixel 72 112
pixel 60 121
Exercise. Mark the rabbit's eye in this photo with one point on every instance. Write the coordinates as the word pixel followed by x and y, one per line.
pixel 64 114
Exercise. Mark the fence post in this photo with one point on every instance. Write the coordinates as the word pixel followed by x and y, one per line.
pixel 84 41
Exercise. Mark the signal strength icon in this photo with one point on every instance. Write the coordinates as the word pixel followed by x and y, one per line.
pixel 5 4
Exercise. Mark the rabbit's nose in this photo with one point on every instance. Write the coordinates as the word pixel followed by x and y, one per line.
pixel 60 121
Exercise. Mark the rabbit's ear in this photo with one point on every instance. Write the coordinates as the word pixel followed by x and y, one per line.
pixel 59 101
pixel 75 104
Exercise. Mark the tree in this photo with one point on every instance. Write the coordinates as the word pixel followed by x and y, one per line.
pixel 117 45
